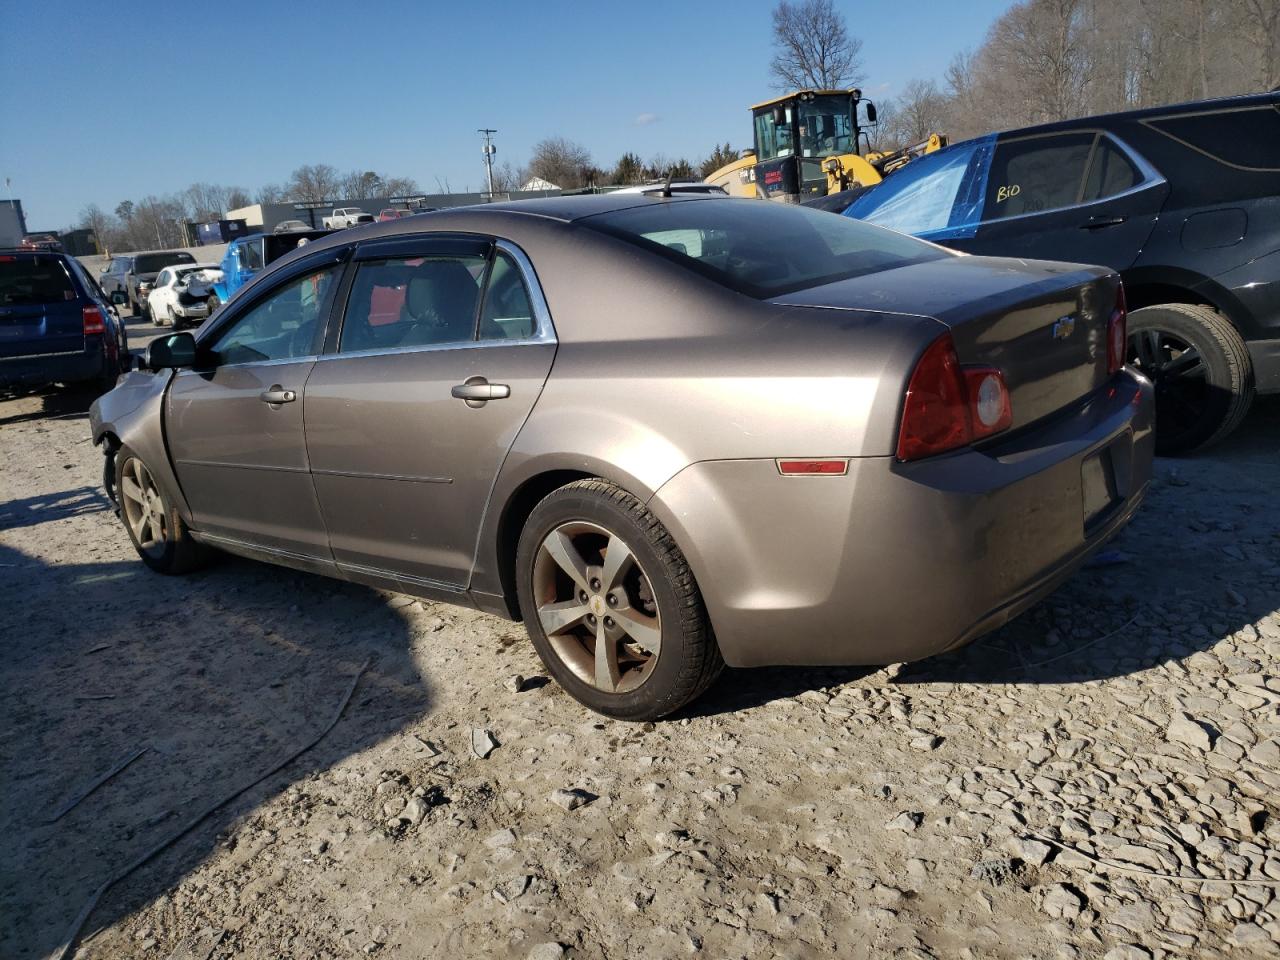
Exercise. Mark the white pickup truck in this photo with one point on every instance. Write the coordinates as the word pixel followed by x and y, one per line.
pixel 346 217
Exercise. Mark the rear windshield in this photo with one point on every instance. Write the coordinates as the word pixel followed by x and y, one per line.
pixel 155 262
pixel 27 280
pixel 760 248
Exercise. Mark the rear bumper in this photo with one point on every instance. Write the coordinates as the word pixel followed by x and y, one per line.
pixel 897 562
pixel 38 369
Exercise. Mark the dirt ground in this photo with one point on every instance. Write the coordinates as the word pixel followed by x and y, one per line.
pixel 1133 717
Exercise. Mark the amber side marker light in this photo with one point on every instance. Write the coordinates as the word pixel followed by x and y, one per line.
pixel 813 468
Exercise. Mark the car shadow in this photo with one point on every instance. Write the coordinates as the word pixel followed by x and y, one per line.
pixel 1147 598
pixel 51 403
pixel 29 511
pixel 215 677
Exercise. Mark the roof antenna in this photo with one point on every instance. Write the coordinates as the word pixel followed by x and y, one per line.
pixel 666 187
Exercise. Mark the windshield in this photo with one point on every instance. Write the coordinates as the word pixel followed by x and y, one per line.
pixel 938 195
pixel 763 249
pixel 155 262
pixel 826 128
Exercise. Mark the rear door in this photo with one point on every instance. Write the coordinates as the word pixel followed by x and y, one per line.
pixel 404 448
pixel 1078 196
pixel 40 306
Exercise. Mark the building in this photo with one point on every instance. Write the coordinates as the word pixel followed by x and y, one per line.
pixel 13 223
pixel 264 216
pixel 80 242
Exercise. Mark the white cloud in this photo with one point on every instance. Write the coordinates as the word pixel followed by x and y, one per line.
pixel 647 118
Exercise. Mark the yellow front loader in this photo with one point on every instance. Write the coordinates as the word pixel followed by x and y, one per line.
pixel 813 143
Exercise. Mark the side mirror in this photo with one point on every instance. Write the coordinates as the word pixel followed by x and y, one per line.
pixel 871 112
pixel 118 297
pixel 175 350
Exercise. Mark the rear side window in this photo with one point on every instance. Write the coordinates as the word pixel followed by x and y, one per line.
pixel 507 313
pixel 412 302
pixel 940 194
pixel 762 249
pixel 1036 174
pixel 1242 138
pixel 32 280
pixel 1111 173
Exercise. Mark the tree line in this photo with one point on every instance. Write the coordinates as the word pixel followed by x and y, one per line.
pixel 161 222
pixel 1049 60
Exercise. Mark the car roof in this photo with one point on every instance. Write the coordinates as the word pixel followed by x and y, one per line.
pixel 1169 110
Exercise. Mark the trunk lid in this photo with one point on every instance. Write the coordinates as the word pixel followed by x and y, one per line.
pixel 1043 324
pixel 40 307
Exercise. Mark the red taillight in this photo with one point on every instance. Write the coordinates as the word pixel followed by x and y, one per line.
pixel 949 406
pixel 94 321
pixel 1117 333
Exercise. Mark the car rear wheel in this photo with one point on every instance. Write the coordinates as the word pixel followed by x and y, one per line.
pixel 157 530
pixel 1201 370
pixel 611 605
pixel 174 320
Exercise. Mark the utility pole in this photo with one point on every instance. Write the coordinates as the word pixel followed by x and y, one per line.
pixel 489 151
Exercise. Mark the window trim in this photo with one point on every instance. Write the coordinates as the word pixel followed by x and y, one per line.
pixel 1153 123
pixel 1150 177
pixel 544 331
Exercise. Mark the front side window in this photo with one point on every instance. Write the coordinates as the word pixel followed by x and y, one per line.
pixel 412 302
pixel 1036 174
pixel 763 249
pixel 164 278
pixel 251 256
pixel 282 326
pixel 939 195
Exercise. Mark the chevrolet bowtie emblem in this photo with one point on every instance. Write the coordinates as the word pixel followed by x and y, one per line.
pixel 1063 327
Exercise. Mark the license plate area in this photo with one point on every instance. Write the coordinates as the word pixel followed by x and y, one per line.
pixel 1099 491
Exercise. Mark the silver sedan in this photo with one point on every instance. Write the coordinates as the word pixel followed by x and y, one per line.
pixel 669 433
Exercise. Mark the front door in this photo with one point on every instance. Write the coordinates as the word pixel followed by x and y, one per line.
pixel 1077 197
pixel 445 345
pixel 235 421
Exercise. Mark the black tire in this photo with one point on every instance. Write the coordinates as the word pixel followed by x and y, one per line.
pixel 689 659
pixel 214 304
pixel 174 320
pixel 1198 401
pixel 178 553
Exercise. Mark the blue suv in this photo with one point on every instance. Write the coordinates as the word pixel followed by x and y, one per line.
pixel 56 324
pixel 245 256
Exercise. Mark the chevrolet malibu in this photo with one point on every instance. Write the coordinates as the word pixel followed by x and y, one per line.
pixel 666 432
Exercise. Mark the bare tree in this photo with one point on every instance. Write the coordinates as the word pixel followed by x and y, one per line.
pixel 314 183
pixel 921 110
pixel 270 193
pixel 94 218
pixel 1262 26
pixel 562 162
pixel 400 186
pixel 813 47
pixel 507 179
pixel 205 201
pixel 237 197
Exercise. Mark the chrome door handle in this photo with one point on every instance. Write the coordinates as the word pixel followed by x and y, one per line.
pixel 478 390
pixel 277 394
pixel 1093 223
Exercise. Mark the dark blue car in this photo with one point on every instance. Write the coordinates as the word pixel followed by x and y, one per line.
pixel 56 324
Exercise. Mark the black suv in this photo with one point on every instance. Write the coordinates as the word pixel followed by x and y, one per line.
pixel 1184 201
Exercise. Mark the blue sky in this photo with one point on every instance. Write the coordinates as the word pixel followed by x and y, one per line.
pixel 101 102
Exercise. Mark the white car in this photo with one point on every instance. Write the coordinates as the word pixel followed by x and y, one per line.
pixel 181 294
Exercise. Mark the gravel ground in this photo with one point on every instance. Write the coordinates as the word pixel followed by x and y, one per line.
pixel 1133 718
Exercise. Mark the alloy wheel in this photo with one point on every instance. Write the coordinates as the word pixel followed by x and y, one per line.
pixel 144 508
pixel 1179 374
pixel 597 607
